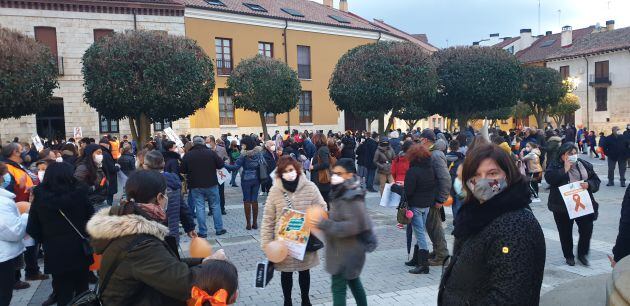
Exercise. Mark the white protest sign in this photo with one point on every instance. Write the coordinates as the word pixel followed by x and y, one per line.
pixel 223 175
pixel 577 200
pixel 172 136
pixel 78 133
pixel 37 142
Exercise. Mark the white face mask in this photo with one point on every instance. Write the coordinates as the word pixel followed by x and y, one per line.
pixel 40 175
pixel 289 176
pixel 573 158
pixel 59 160
pixel 336 179
pixel 164 203
pixel 273 148
pixel 98 159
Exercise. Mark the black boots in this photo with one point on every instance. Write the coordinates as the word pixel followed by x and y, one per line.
pixel 422 266
pixel 414 258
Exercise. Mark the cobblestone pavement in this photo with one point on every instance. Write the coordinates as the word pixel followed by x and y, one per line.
pixel 385 277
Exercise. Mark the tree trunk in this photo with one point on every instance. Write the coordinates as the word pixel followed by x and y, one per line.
pixel 381 125
pixel 462 121
pixel 263 122
pixel 144 130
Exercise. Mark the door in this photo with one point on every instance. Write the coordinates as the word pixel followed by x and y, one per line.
pixel 50 122
pixel 353 122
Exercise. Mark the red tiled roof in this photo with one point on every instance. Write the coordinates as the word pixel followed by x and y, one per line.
pixel 547 45
pixel 506 42
pixel 401 34
pixel 313 12
pixel 595 43
pixel 422 37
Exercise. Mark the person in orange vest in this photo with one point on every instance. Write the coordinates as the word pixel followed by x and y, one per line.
pixel 22 180
pixel 114 145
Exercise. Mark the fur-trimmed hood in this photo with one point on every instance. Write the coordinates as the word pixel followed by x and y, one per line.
pixel 104 227
pixel 252 152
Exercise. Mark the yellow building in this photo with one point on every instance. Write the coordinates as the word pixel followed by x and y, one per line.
pixel 308 36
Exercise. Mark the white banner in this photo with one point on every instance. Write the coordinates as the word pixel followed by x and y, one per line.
pixel 78 133
pixel 37 142
pixel 172 136
pixel 577 200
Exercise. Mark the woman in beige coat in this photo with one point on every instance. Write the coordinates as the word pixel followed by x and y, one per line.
pixel 303 194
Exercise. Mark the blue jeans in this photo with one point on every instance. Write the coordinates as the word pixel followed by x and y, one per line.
pixel 369 181
pixel 200 195
pixel 233 179
pixel 418 223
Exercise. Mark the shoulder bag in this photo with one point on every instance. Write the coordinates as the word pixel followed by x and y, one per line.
pixel 403 207
pixel 85 242
pixel 313 243
pixel 263 174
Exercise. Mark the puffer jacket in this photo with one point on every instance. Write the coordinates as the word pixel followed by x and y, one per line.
pixel 420 184
pixel 532 160
pixel 306 195
pixel 383 159
pixel 347 220
pixel 250 162
pixel 499 253
pixel 552 147
pixel 400 165
pixel 556 177
pixel 12 227
pixel 150 273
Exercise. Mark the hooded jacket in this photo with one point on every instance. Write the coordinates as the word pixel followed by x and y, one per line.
pixel 383 159
pixel 150 273
pixel 347 221
pixel 63 251
pixel 250 162
pixel 201 164
pixel 12 227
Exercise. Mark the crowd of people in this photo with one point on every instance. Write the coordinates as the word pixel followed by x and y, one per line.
pixel 62 203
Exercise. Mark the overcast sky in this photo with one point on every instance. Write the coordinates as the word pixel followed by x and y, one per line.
pixel 464 21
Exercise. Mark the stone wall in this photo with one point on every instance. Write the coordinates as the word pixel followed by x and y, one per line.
pixel 75 33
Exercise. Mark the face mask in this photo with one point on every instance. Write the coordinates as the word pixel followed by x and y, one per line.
pixel 40 175
pixel 336 179
pixel 289 176
pixel 572 158
pixel 459 188
pixel 6 181
pixel 98 159
pixel 59 160
pixel 208 146
pixel 619 133
pixel 164 203
pixel 485 189
pixel 273 148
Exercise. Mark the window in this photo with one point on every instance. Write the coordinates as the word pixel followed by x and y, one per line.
pixel 223 48
pixel 304 62
pixel 510 49
pixel 255 7
pixel 564 72
pixel 226 108
pixel 601 72
pixel 215 2
pixel 265 49
pixel 601 99
pixel 107 126
pixel 339 19
pixel 306 107
pixel 547 43
pixel 100 33
pixel 270 118
pixel 48 37
pixel 161 125
pixel 292 12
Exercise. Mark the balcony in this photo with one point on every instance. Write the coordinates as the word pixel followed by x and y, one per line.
pixel 600 80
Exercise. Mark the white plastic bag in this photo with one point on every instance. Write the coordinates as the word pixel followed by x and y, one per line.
pixel 389 198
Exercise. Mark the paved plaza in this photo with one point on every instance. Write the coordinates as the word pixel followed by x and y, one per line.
pixel 385 276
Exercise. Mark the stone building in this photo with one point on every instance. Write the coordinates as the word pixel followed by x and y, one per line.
pixel 68 28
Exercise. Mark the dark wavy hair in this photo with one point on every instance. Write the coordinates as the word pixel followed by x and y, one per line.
pixel 59 178
pixel 284 162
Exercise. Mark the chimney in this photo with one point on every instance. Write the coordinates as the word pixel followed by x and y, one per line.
pixel 328 3
pixel 343 5
pixel 610 25
pixel 566 38
pixel 526 39
pixel 548 33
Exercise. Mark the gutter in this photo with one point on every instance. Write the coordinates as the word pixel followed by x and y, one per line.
pixel 286 61
pixel 587 96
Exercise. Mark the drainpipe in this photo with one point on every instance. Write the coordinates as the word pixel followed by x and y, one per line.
pixel 588 121
pixel 286 61
pixel 135 21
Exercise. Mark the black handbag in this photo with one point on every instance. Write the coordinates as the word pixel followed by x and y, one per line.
pixel 313 244
pixel 85 242
pixel 401 214
pixel 263 174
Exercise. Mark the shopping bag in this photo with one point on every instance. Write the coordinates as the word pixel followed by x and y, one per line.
pixel 264 274
pixel 389 198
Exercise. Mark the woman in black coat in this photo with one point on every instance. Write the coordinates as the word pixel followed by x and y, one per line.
pixel 64 257
pixel 499 252
pixel 568 168
pixel 420 188
pixel 321 162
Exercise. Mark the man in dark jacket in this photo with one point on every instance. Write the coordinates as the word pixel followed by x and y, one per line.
pixel 348 146
pixel 443 190
pixel 200 165
pixel 617 149
pixel 110 169
pixel 365 156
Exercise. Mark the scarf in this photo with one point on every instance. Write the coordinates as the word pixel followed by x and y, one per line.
pixel 577 172
pixel 290 186
pixel 349 184
pixel 151 211
pixel 473 216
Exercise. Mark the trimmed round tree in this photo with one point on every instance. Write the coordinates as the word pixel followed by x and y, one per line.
pixel 474 80
pixel 28 75
pixel 567 106
pixel 264 85
pixel 542 89
pixel 147 77
pixel 372 80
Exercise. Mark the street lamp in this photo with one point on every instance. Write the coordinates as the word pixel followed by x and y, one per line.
pixel 572 83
